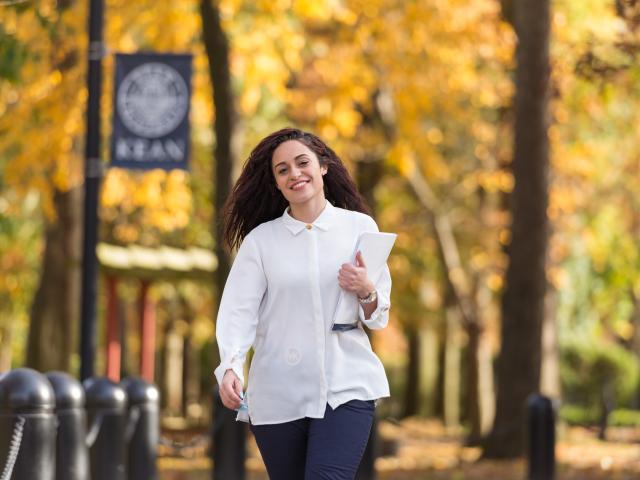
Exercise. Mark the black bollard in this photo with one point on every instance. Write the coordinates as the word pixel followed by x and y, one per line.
pixel 27 426
pixel 542 438
pixel 107 414
pixel 228 442
pixel 72 454
pixel 367 469
pixel 143 430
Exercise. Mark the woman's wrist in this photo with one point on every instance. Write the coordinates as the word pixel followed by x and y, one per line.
pixel 365 292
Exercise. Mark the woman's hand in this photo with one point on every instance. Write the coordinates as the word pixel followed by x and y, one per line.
pixel 230 390
pixel 353 278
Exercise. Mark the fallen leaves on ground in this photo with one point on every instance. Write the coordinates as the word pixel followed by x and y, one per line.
pixel 423 449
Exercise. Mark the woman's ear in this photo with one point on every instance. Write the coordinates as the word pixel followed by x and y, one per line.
pixel 323 170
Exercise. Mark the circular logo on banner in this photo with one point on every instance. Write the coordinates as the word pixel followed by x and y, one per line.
pixel 153 99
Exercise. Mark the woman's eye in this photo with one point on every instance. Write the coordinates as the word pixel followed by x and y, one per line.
pixel 284 170
pixel 304 162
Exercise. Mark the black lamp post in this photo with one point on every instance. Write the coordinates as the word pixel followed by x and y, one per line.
pixel 93 174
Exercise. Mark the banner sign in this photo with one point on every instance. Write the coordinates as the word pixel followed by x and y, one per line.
pixel 152 94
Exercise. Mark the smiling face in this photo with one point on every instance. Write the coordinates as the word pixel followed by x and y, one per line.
pixel 298 173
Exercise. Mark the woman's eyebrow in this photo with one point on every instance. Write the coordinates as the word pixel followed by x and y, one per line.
pixel 295 158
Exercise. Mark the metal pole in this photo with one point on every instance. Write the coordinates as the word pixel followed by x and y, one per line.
pixel 542 438
pixel 91 187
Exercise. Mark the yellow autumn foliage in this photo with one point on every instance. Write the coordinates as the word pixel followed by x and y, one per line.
pixel 425 86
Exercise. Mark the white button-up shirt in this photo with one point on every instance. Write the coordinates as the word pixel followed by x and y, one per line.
pixel 280 297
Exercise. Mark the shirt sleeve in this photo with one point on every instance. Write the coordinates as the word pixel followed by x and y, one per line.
pixel 238 313
pixel 380 316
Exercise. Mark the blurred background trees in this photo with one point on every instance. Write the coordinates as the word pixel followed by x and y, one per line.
pixel 419 100
pixel 519 362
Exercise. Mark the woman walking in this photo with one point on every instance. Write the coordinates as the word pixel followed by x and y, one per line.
pixel 295 215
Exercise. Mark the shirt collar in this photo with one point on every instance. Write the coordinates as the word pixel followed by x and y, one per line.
pixel 322 222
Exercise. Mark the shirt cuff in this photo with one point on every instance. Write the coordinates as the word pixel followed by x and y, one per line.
pixel 235 364
pixel 379 317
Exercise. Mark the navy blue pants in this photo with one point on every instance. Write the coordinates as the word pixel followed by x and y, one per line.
pixel 328 448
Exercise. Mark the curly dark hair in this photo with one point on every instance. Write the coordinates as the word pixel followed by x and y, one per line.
pixel 255 198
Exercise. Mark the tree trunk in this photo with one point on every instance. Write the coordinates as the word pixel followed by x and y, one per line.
pixel 187 355
pixel 217 48
pixel 368 174
pixel 518 369
pixel 54 311
pixel 163 328
pixel 6 336
pixel 173 369
pixel 474 415
pixel 412 386
pixel 452 356
pixel 550 368
pixel 480 392
pixel 480 396
pixel 422 371
pixel 190 364
pixel 456 278
pixel 635 340
pixel 486 388
pixel 428 370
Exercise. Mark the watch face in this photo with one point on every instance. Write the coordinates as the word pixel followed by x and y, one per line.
pixel 369 298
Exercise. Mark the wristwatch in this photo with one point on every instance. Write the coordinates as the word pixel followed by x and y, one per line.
pixel 372 297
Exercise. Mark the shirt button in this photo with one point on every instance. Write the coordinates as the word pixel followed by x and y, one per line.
pixel 309 226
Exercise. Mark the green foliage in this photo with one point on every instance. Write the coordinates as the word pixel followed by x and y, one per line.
pixel 20 249
pixel 577 415
pixel 12 56
pixel 624 418
pixel 591 369
pixel 594 201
